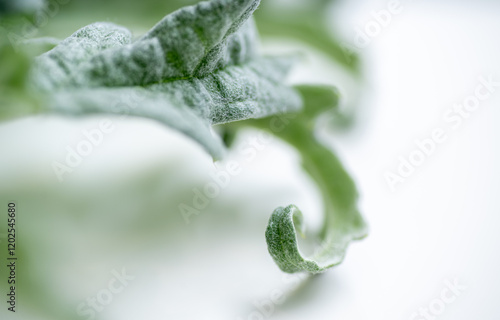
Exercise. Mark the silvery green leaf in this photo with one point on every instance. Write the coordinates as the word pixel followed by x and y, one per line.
pixel 197 67
pixel 137 101
pixel 252 90
pixel 192 41
pixel 342 221
pixel 54 69
pixel 199 39
pixel 151 62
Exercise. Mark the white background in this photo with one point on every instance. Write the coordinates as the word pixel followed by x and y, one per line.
pixel 440 224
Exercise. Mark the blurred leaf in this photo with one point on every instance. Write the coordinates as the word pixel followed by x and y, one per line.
pixel 14 70
pixel 37 46
pixel 342 222
pixel 308 24
pixel 9 7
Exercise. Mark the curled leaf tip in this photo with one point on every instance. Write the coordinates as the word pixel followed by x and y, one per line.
pixel 281 236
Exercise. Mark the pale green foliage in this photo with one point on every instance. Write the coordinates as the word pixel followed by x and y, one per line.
pixel 191 106
pixel 307 21
pixel 342 222
pixel 193 41
pixel 195 68
pixel 59 67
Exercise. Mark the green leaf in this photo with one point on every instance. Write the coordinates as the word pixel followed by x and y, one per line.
pixel 11 7
pixel 203 38
pixel 14 74
pixel 342 221
pixel 191 42
pixel 195 68
pixel 235 93
pixel 318 99
pixel 309 24
pixel 58 67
